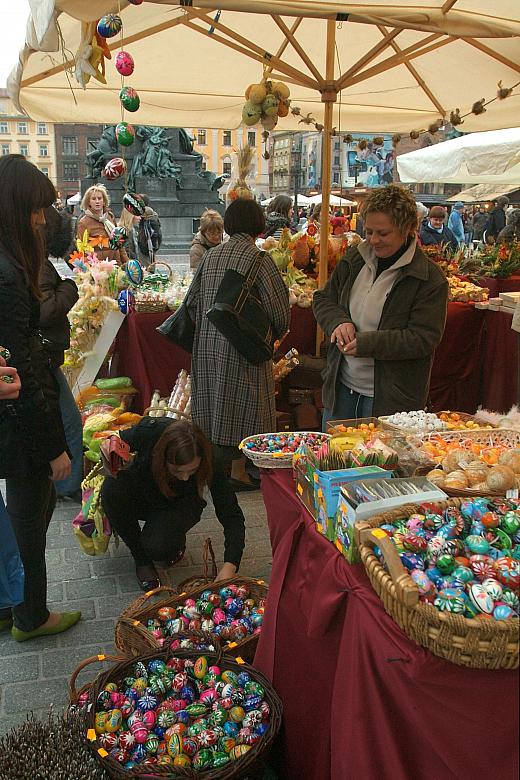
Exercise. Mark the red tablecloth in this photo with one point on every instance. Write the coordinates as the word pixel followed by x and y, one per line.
pixel 361 700
pixel 500 363
pixel 496 286
pixel 456 367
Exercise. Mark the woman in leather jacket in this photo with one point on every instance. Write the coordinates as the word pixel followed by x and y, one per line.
pixel 33 451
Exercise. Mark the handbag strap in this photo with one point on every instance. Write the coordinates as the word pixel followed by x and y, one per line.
pixel 249 280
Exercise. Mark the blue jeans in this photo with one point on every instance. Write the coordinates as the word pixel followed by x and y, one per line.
pixel 73 433
pixel 349 405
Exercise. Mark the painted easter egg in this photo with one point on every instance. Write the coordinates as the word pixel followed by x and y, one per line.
pixel 125 133
pixel 114 168
pixel 134 272
pixel 136 206
pixel 493 588
pixel 109 25
pixel 129 98
pixel 480 599
pixel 503 612
pixel 124 63
pixel 117 237
pixel 508 572
pixel 450 600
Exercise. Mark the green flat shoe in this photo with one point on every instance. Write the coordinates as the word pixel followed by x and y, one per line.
pixel 6 623
pixel 66 621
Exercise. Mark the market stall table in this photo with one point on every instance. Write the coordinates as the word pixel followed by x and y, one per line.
pixel 499 363
pixel 360 699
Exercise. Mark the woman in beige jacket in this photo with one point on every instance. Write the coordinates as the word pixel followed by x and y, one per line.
pixel 99 223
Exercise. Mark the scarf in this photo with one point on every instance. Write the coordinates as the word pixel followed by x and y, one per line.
pixel 104 219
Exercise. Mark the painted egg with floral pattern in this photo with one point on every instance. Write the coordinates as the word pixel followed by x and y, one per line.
pixel 114 168
pixel 508 572
pixel 493 588
pixel 503 612
pixel 480 599
pixel 109 25
pixel 450 600
pixel 125 133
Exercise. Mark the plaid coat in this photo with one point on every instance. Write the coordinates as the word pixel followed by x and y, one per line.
pixel 231 398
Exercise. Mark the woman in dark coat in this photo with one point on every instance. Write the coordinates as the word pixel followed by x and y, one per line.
pixel 33 450
pixel 384 311
pixel 164 488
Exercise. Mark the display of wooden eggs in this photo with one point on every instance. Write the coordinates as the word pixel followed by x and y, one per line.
pixel 180 712
pixel 265 102
pixel 283 443
pixel 229 613
pixel 464 560
pixel 124 63
pixel 114 168
pixel 464 469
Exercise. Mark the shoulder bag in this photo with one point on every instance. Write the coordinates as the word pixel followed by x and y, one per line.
pixel 179 327
pixel 238 313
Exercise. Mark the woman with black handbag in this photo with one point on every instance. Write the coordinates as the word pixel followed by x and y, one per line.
pixel 231 397
pixel 33 451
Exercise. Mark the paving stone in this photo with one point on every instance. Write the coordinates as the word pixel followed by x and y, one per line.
pixel 128 584
pixel 92 632
pixel 53 557
pixel 102 586
pixel 9 647
pixel 19 668
pixel 26 696
pixel 8 722
pixel 56 663
pixel 112 606
pixel 65 572
pixel 55 591
pixel 103 566
pixel 85 606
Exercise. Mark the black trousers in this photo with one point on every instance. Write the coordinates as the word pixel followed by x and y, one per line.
pixel 30 504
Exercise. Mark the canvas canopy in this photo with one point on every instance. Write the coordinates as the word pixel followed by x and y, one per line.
pixel 364 66
pixel 491 157
pixel 334 200
pixel 482 193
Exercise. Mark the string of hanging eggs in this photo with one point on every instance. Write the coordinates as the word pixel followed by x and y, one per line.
pixel 108 27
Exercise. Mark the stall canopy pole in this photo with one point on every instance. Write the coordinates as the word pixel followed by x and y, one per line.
pixel 328 96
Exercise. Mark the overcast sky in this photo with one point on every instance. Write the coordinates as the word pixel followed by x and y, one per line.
pixel 13 19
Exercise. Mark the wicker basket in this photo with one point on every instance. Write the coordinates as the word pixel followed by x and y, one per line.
pixel 478 644
pixel 207 575
pixel 133 638
pixel 273 460
pixel 414 432
pixel 150 306
pixel 251 765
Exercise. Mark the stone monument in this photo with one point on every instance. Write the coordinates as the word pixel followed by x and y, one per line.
pixel 161 163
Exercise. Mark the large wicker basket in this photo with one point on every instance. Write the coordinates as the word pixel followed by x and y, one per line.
pixel 250 766
pixel 133 638
pixel 479 644
pixel 272 460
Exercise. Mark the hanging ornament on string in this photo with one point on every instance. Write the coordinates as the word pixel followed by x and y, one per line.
pixel 114 168
pixel 134 204
pixel 109 25
pixel 117 237
pixel 129 99
pixel 125 133
pixel 124 63
pixel 135 2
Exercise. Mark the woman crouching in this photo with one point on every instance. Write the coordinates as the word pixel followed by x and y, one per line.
pixel 163 488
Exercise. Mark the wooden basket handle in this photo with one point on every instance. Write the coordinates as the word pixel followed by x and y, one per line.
pixel 406 589
pixel 139 602
pixel 207 553
pixel 153 267
pixel 73 693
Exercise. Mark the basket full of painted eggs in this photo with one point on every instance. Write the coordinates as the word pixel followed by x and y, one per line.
pixel 276 450
pixel 449 575
pixel 231 612
pixel 181 715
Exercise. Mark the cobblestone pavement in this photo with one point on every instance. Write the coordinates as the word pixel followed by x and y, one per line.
pixel 35 674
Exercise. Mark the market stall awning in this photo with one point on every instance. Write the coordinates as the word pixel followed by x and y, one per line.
pixel 488 157
pixel 334 200
pixel 483 193
pixel 398 66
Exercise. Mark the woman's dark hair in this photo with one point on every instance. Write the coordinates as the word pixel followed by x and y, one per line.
pixel 58 232
pixel 281 205
pixel 145 198
pixel 24 189
pixel 244 216
pixel 180 444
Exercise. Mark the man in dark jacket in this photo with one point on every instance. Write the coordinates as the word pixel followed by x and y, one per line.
pixel 59 296
pixel 149 234
pixel 435 231
pixel 497 217
pixel 479 224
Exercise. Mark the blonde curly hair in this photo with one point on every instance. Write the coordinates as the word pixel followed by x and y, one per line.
pixel 85 201
pixel 395 201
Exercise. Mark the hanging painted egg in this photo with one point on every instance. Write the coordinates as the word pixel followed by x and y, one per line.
pixel 117 238
pixel 125 133
pixel 135 2
pixel 109 25
pixel 124 63
pixel 135 205
pixel 129 98
pixel 114 168
pixel 125 301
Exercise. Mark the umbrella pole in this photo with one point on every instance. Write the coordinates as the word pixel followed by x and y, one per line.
pixel 328 96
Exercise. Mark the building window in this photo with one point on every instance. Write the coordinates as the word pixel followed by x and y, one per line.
pixel 43 150
pixel 204 165
pixel 41 128
pixel 70 171
pixel 251 137
pixel 336 160
pixel 226 138
pixel 92 144
pixel 70 145
pixel 4 128
pixel 23 128
pixel 201 137
pixel 226 168
pixel 335 178
pixel 5 149
pixel 24 150
pixel 45 170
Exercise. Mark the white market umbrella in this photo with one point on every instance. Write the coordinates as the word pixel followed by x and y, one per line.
pixel 483 192
pixel 486 158
pixel 74 199
pixel 334 200
pixel 365 66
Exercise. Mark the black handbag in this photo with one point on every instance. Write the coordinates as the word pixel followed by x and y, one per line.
pixel 179 328
pixel 238 313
